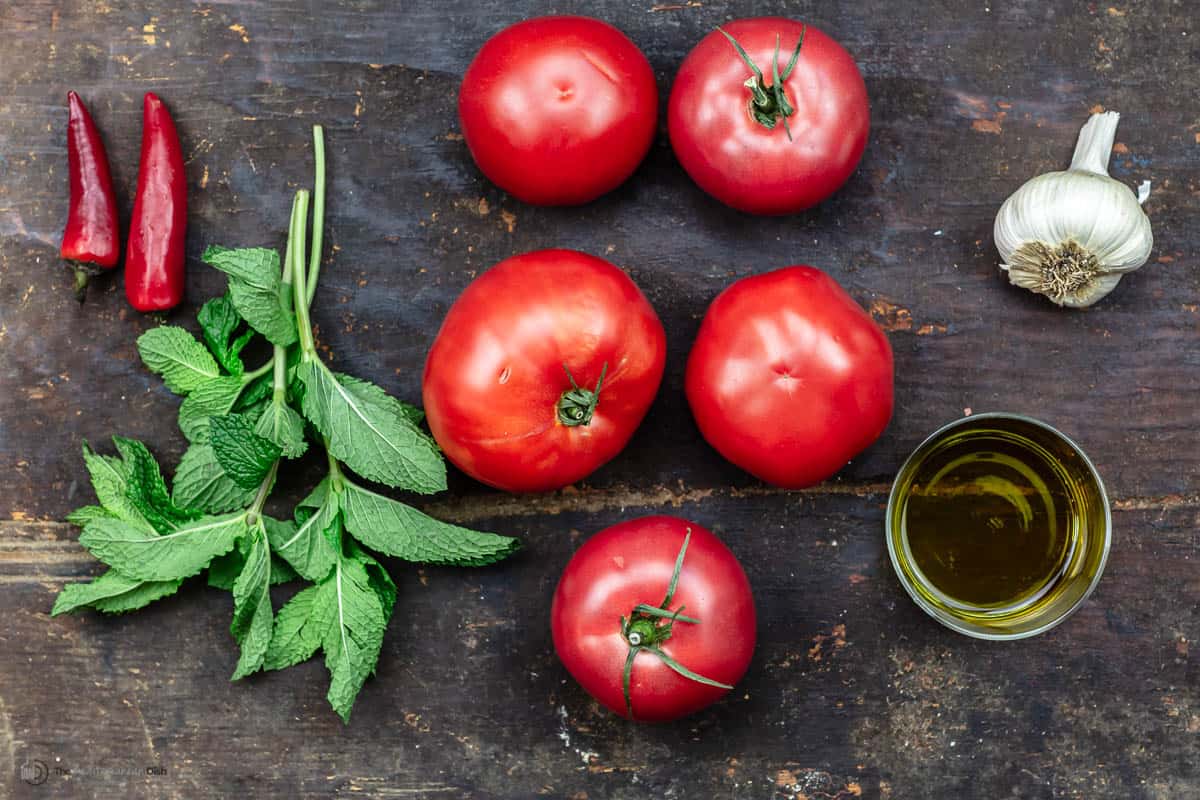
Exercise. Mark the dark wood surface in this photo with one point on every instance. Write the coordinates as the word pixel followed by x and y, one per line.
pixel 852 691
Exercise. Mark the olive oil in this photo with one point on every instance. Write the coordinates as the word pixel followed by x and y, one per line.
pixel 998 526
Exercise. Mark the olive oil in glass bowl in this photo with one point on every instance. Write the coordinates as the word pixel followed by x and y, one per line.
pixel 998 526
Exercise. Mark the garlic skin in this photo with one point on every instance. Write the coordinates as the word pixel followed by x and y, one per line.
pixel 1072 235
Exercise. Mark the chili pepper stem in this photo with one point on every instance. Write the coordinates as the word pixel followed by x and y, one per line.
pixel 81 283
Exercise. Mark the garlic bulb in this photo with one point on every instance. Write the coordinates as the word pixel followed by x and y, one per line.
pixel 1072 235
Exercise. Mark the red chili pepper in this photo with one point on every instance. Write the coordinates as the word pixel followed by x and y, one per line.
pixel 154 260
pixel 91 241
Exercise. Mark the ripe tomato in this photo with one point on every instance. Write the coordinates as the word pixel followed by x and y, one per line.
pixel 542 369
pixel 558 110
pixel 739 159
pixel 789 378
pixel 633 563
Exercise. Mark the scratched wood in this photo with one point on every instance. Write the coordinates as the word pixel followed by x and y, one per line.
pixel 852 692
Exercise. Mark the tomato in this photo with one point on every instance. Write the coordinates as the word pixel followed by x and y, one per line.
pixel 542 369
pixel 633 563
pixel 789 378
pixel 558 110
pixel 737 158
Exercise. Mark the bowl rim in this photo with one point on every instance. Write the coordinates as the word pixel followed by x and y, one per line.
pixel 949 621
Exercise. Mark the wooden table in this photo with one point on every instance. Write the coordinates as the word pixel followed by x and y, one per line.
pixel 853 691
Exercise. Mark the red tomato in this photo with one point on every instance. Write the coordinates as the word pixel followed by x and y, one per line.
pixel 633 563
pixel 789 378
pixel 497 392
pixel 558 110
pixel 739 160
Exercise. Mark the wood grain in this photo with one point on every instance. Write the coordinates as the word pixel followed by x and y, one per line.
pixel 853 692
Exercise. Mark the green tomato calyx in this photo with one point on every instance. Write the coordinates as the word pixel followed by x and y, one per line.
pixel 648 626
pixel 577 405
pixel 769 103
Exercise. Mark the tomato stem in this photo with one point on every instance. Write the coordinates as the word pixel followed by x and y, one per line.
pixel 578 405
pixel 769 104
pixel 649 626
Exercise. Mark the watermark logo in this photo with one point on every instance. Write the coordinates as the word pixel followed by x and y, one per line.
pixel 35 772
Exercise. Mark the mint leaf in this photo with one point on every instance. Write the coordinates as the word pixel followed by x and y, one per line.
pixel 298 631
pixel 110 480
pixel 281 571
pixel 353 640
pixel 211 399
pixel 146 488
pixel 252 617
pixel 309 545
pixel 245 456
pixel 253 413
pixel 218 320
pixel 123 487
pixel 395 529
pixel 317 497
pixel 201 483
pixel 175 354
pixel 281 425
pixel 112 593
pixel 369 431
pixel 238 345
pixel 381 582
pixel 255 392
pixel 82 516
pixel 142 554
pixel 256 290
pixel 250 264
pixel 344 615
pixel 414 414
pixel 223 571
pixel 142 595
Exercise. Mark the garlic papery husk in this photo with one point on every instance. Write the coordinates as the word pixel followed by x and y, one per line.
pixel 1072 235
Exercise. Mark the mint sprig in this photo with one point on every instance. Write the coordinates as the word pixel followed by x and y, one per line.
pixel 242 426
